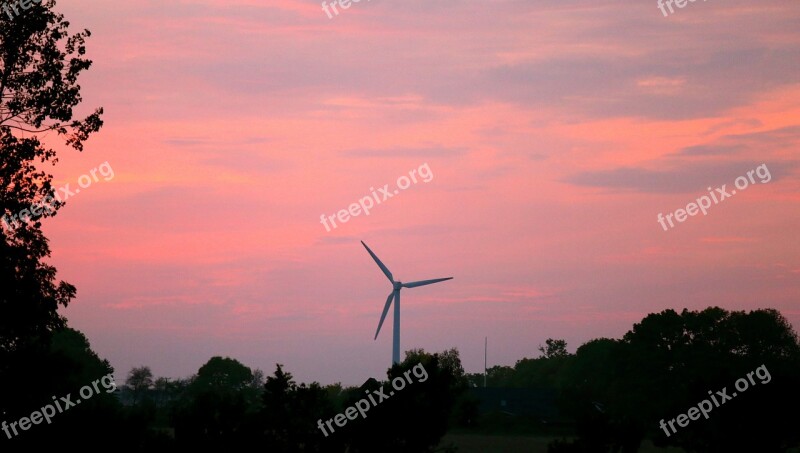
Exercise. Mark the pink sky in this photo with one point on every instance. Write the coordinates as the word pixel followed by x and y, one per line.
pixel 555 133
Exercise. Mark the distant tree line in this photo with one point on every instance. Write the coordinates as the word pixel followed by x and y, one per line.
pixel 227 406
pixel 616 392
pixel 613 393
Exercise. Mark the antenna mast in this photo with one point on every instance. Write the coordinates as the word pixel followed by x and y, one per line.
pixel 485 348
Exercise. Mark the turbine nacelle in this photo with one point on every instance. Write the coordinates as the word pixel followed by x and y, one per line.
pixel 397 286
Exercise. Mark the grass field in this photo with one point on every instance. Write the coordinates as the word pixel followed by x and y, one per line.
pixel 483 443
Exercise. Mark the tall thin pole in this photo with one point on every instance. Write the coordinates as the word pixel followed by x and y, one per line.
pixel 485 348
pixel 396 333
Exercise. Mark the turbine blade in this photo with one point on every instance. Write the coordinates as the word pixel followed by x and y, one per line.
pixel 380 264
pixel 383 316
pixel 425 282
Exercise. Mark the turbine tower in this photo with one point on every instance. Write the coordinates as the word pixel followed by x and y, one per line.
pixel 395 294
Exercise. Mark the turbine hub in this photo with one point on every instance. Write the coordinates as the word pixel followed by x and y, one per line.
pixel 397 285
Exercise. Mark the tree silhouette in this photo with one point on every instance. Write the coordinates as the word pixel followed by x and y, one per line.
pixel 215 410
pixel 290 416
pixel 69 367
pixel 418 413
pixel 619 391
pixel 683 356
pixel 39 66
pixel 140 381
pixel 554 348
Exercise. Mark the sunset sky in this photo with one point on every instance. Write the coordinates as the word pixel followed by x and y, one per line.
pixel 555 133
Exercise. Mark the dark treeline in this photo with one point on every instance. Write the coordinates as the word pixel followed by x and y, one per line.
pixel 227 406
pixel 615 393
pixel 610 396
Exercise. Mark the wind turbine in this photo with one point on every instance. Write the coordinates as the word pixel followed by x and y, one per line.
pixel 396 287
